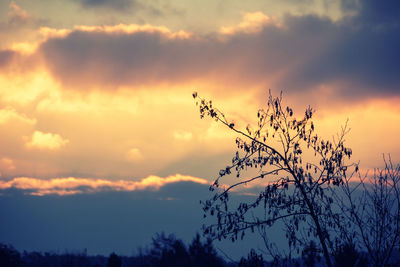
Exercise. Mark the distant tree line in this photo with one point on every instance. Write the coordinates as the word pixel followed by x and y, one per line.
pixel 164 251
pixel 168 251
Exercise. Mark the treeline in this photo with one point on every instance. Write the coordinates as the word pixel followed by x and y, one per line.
pixel 169 251
pixel 164 251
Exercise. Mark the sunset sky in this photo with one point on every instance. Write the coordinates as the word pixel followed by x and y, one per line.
pixel 97 93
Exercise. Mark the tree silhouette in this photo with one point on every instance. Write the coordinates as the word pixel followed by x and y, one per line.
pixel 372 210
pixel 310 254
pixel 114 260
pixel 9 257
pixel 168 251
pixel 253 260
pixel 204 254
pixel 348 256
pixel 295 193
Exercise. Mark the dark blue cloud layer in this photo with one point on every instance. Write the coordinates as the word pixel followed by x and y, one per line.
pixel 114 4
pixel 106 221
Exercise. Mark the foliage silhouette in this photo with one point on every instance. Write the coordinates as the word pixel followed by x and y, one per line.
pixel 296 192
pixel 9 257
pixel 114 260
pixel 164 251
pixel 169 251
pixel 253 260
pixel 348 256
pixel 204 254
pixel 311 254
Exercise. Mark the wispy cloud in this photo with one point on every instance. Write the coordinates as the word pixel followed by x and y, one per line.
pixel 9 114
pixel 183 135
pixel 6 163
pixel 134 155
pixel 43 140
pixel 18 16
pixel 252 22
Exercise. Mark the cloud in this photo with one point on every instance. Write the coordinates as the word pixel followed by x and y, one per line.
pixel 71 185
pixel 9 114
pixel 6 57
pixel 49 141
pixel 183 135
pixel 109 221
pixel 114 4
pixel 126 29
pixel 6 164
pixel 252 23
pixel 131 6
pixel 134 155
pixel 17 16
pixel 378 14
pixel 304 53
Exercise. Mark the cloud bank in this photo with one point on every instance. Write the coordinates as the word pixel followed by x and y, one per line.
pixel 356 56
pixel 72 185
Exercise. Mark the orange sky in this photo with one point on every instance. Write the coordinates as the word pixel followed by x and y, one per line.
pixel 108 97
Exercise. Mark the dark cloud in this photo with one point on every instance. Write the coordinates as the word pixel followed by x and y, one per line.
pixel 380 13
pixel 121 59
pixel 131 6
pixel 363 59
pixel 358 55
pixel 6 56
pixel 119 221
pixel 115 4
pixel 107 221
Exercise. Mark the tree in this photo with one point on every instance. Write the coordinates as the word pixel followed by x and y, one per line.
pixel 9 256
pixel 253 260
pixel 169 251
pixel 348 256
pixel 372 209
pixel 295 193
pixel 114 260
pixel 204 254
pixel 310 254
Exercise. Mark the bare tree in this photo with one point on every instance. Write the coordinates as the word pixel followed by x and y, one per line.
pixel 296 165
pixel 371 205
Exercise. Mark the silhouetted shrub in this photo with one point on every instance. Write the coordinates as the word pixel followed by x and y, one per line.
pixel 310 254
pixel 253 260
pixel 204 254
pixel 348 256
pixel 114 260
pixel 9 256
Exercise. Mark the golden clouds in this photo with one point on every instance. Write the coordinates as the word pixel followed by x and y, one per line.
pixel 113 100
pixel 134 28
pixel 375 129
pixel 7 164
pixel 134 155
pixel 251 23
pixel 72 185
pixel 8 114
pixel 183 135
pixel 50 141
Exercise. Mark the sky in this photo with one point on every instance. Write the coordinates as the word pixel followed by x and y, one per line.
pixel 95 95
